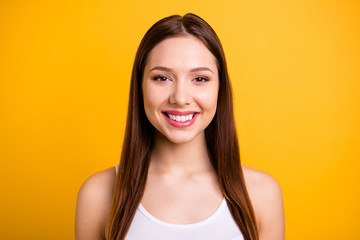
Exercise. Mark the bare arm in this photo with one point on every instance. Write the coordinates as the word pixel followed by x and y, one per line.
pixel 272 220
pixel 266 197
pixel 94 205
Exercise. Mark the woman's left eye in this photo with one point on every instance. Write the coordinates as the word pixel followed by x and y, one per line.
pixel 201 79
pixel 161 78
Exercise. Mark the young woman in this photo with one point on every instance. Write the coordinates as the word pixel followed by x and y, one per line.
pixel 180 175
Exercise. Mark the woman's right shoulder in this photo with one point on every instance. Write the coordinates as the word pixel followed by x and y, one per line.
pixel 93 205
pixel 102 181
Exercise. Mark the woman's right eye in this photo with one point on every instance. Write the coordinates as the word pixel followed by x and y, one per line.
pixel 161 78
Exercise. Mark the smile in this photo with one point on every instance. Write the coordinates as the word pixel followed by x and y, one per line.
pixel 180 119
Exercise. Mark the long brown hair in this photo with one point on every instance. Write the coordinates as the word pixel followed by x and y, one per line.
pixel 221 138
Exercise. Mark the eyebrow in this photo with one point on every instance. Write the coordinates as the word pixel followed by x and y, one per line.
pixel 198 69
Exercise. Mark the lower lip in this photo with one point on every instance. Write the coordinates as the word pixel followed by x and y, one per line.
pixel 185 124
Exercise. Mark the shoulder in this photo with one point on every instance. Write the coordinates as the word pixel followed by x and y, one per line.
pixel 93 206
pixel 263 189
pixel 267 200
pixel 261 183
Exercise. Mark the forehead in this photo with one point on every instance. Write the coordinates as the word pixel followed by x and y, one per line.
pixel 182 52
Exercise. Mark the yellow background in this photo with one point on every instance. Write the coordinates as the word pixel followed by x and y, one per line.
pixel 64 79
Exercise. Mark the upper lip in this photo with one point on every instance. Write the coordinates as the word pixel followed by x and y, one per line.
pixel 175 112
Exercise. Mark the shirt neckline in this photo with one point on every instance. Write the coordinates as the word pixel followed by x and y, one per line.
pixel 190 225
pixel 173 225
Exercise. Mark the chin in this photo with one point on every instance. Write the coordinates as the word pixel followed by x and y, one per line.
pixel 181 138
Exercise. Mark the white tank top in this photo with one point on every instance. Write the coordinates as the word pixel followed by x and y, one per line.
pixel 219 226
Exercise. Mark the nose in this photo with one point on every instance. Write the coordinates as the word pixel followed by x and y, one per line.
pixel 180 94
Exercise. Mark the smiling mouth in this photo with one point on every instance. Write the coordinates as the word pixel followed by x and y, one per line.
pixel 180 119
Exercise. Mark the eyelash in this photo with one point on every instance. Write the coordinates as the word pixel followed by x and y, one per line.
pixel 202 79
pixel 161 78
pixel 199 79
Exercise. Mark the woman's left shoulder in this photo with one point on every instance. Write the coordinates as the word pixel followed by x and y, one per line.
pixel 266 197
pixel 259 182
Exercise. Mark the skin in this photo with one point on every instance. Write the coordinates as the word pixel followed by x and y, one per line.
pixel 180 74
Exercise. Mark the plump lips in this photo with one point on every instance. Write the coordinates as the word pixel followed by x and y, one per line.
pixel 180 119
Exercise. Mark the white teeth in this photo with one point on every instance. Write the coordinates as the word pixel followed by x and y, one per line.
pixel 181 118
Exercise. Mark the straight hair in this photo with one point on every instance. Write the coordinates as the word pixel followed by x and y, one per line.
pixel 221 137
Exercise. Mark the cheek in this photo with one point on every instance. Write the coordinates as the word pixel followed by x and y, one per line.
pixel 148 105
pixel 208 99
pixel 152 100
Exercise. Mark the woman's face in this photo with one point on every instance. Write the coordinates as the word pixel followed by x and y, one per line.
pixel 180 88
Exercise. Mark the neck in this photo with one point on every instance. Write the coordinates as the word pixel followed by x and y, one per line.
pixel 180 157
